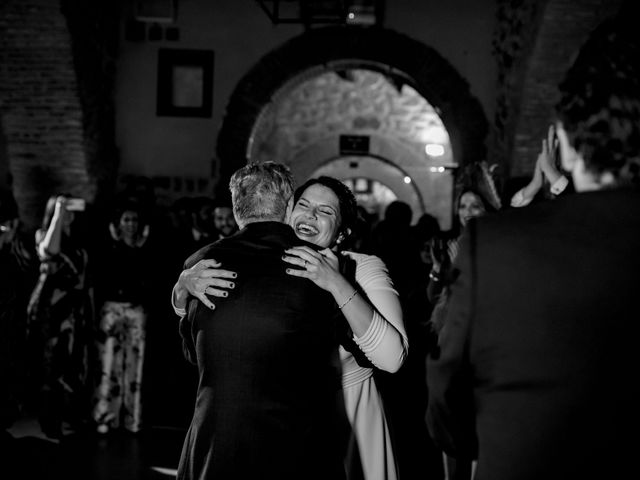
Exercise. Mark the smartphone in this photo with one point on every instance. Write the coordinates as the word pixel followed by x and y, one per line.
pixel 76 204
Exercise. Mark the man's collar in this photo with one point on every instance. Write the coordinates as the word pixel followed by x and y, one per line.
pixel 198 234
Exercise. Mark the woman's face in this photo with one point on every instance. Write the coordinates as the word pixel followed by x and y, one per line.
pixel 316 216
pixel 470 206
pixel 67 221
pixel 129 223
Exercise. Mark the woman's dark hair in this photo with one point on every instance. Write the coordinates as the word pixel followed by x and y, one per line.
pixel 346 200
pixel 128 204
pixel 475 192
pixel 456 228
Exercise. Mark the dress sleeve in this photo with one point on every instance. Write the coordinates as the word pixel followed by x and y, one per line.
pixel 385 341
pixel 181 312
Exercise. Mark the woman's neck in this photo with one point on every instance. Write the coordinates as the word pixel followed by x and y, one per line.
pixel 129 240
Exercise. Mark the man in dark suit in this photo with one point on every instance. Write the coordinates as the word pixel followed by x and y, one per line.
pixel 266 404
pixel 537 364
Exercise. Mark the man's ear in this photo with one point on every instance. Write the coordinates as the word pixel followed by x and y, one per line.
pixel 287 215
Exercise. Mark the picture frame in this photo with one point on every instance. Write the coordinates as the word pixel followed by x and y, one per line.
pixel 185 83
pixel 154 11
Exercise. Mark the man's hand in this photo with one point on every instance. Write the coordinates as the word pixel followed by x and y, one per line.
pixel 547 159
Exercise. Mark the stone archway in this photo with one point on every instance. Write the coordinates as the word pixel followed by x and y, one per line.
pixel 421 66
pixel 428 193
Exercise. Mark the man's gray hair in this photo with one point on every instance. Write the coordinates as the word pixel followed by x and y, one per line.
pixel 260 192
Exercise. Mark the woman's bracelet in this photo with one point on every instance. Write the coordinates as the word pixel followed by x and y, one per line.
pixel 355 292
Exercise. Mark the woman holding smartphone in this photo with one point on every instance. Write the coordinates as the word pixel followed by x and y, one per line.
pixel 60 321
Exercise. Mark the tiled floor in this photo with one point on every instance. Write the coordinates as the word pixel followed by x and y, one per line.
pixel 150 455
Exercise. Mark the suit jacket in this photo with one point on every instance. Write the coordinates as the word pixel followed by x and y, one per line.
pixel 537 370
pixel 266 404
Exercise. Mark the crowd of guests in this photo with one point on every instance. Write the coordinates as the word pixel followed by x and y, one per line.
pixel 87 304
pixel 79 302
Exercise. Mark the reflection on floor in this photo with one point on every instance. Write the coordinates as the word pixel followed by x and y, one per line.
pixel 149 455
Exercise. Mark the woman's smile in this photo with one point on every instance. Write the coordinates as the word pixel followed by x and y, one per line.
pixel 316 216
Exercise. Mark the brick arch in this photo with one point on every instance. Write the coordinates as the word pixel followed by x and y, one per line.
pixel 421 66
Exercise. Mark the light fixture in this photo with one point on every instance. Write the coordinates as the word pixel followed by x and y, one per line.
pixel 363 12
pixel 440 169
pixel 434 149
pixel 407 179
pixel 315 12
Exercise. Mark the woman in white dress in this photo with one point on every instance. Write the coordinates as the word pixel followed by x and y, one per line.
pixel 324 214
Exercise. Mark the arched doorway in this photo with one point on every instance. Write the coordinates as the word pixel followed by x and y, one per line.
pixel 345 54
pixel 330 113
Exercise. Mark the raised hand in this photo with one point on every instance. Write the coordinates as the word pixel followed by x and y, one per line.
pixel 545 169
pixel 547 159
pixel 525 195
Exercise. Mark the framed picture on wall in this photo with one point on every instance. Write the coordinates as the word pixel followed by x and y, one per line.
pixel 154 11
pixel 185 83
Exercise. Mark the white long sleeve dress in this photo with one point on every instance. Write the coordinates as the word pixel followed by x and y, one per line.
pixel 385 345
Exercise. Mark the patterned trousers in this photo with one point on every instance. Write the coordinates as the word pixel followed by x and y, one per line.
pixel 121 347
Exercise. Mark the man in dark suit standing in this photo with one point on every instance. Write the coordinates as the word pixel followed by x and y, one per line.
pixel 537 364
pixel 266 404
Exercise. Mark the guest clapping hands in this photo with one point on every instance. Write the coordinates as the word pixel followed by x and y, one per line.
pixel 546 170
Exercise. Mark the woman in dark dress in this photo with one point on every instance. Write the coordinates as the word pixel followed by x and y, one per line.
pixel 60 321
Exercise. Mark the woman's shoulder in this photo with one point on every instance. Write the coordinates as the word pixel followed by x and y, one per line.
pixel 366 261
pixel 361 257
